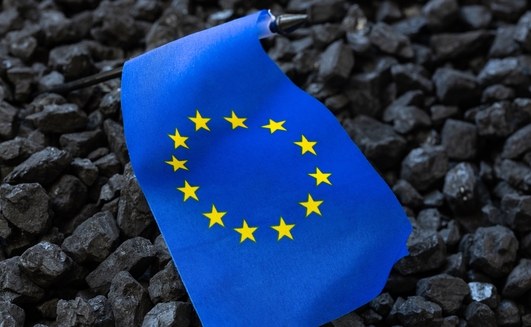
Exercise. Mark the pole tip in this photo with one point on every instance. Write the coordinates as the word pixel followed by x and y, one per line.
pixel 287 23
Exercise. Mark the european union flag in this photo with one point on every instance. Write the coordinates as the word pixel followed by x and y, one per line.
pixel 272 215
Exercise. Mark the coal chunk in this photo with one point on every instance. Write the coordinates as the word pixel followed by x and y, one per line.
pixel 408 118
pixel 440 14
pixel 116 139
pixel 15 151
pixel 496 121
pixel 433 199
pixel 411 77
pixel 517 210
pixel 382 304
pixel 94 239
pixel 63 118
pixel 506 71
pixel 42 167
pixel 507 314
pixel 440 113
pixel 378 141
pixel 475 16
pixel 523 31
pixel 429 219
pixel 21 77
pixel 45 263
pixel 518 143
pixel 459 139
pixel 162 253
pixel 497 92
pixel 407 195
pixel 507 9
pixel 8 115
pixel 387 40
pixel 96 311
pixel 417 312
pixel 478 314
pixel 485 293
pixel 504 44
pixel 388 12
pixel 166 285
pixel 15 286
pixel 68 194
pixel 10 19
pixel 493 250
pixel 455 265
pixel 449 46
pixel 108 165
pixel 10 314
pixel 460 189
pixel 427 251
pixel 454 87
pixel 446 291
pixel 514 173
pixel 519 280
pixel 424 166
pixel 336 62
pixel 133 255
pixel 73 61
pixel 82 143
pixel 174 313
pixel 26 206
pixel 134 216
pixel 129 300
pixel 85 170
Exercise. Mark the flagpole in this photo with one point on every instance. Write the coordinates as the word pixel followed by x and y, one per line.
pixel 283 24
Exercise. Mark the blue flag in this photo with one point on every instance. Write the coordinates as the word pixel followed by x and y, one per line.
pixel 272 215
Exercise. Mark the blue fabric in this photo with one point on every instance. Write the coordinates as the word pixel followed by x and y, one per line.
pixel 307 262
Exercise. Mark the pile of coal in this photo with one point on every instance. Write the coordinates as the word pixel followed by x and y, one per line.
pixel 436 94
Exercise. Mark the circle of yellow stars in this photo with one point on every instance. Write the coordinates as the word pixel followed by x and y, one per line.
pixel 215 216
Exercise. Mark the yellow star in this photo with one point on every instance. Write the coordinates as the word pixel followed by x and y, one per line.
pixel 275 126
pixel 189 191
pixel 215 217
pixel 199 121
pixel 176 163
pixel 236 121
pixel 306 146
pixel 246 232
pixel 320 177
pixel 311 206
pixel 283 229
pixel 178 139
